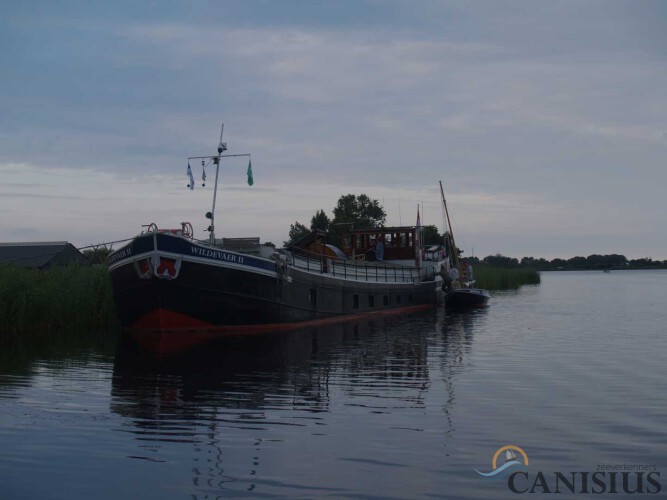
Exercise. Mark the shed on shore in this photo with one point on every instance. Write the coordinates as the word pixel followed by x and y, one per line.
pixel 40 255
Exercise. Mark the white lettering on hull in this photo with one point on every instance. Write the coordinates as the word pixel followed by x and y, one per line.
pixel 126 252
pixel 217 255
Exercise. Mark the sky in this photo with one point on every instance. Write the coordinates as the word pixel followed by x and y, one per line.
pixel 545 121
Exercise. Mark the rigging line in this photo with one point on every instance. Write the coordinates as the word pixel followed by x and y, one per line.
pixel 105 243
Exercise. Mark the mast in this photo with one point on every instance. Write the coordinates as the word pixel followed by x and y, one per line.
pixel 455 250
pixel 222 147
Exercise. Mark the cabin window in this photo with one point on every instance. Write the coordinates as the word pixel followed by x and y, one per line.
pixel 355 301
pixel 312 299
pixel 398 299
pixel 371 301
pixel 410 298
pixel 385 300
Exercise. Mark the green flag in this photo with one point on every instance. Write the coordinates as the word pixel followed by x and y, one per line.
pixel 251 181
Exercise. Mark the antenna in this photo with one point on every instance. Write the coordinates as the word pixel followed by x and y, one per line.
pixel 222 146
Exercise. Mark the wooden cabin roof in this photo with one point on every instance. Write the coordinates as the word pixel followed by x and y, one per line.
pixel 308 239
pixel 384 230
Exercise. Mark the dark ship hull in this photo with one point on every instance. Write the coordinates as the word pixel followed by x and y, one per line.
pixel 165 282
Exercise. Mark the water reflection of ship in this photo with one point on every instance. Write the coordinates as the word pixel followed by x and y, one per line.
pixel 203 395
pixel 253 370
pixel 209 392
pixel 457 333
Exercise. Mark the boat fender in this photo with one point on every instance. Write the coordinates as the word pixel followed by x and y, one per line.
pixel 143 269
pixel 281 263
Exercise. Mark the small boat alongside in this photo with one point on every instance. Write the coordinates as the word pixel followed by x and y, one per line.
pixel 459 286
pixel 466 298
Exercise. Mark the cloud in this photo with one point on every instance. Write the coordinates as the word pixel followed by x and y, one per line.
pixel 541 120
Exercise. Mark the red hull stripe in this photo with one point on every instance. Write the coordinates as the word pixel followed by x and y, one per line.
pixel 165 332
pixel 163 319
pixel 169 321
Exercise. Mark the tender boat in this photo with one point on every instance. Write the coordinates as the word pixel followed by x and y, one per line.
pixel 466 298
pixel 460 288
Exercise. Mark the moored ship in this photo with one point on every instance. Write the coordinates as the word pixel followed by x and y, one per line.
pixel 165 280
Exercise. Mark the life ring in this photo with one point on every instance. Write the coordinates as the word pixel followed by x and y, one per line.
pixel 167 268
pixel 143 268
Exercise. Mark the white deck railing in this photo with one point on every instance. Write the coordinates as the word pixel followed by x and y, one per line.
pixel 356 270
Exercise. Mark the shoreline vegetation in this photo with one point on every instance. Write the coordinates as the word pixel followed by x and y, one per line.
pixel 593 262
pixel 75 299
pixel 497 278
pixel 78 299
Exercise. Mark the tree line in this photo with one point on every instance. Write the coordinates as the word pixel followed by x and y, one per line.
pixel 594 261
pixel 360 211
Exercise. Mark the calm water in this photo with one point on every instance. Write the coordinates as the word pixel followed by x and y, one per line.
pixel 573 371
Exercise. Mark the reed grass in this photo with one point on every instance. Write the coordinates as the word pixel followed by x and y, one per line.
pixel 499 278
pixel 73 298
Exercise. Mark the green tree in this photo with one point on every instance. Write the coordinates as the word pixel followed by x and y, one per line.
pixel 528 262
pixel 359 210
pixel 499 260
pixel 296 232
pixel 356 212
pixel 97 255
pixel 432 236
pixel 320 221
pixel 578 262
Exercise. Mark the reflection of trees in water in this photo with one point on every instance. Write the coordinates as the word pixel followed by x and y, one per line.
pixel 207 395
pixel 18 360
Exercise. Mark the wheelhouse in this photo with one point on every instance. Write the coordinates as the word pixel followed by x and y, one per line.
pixel 400 243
